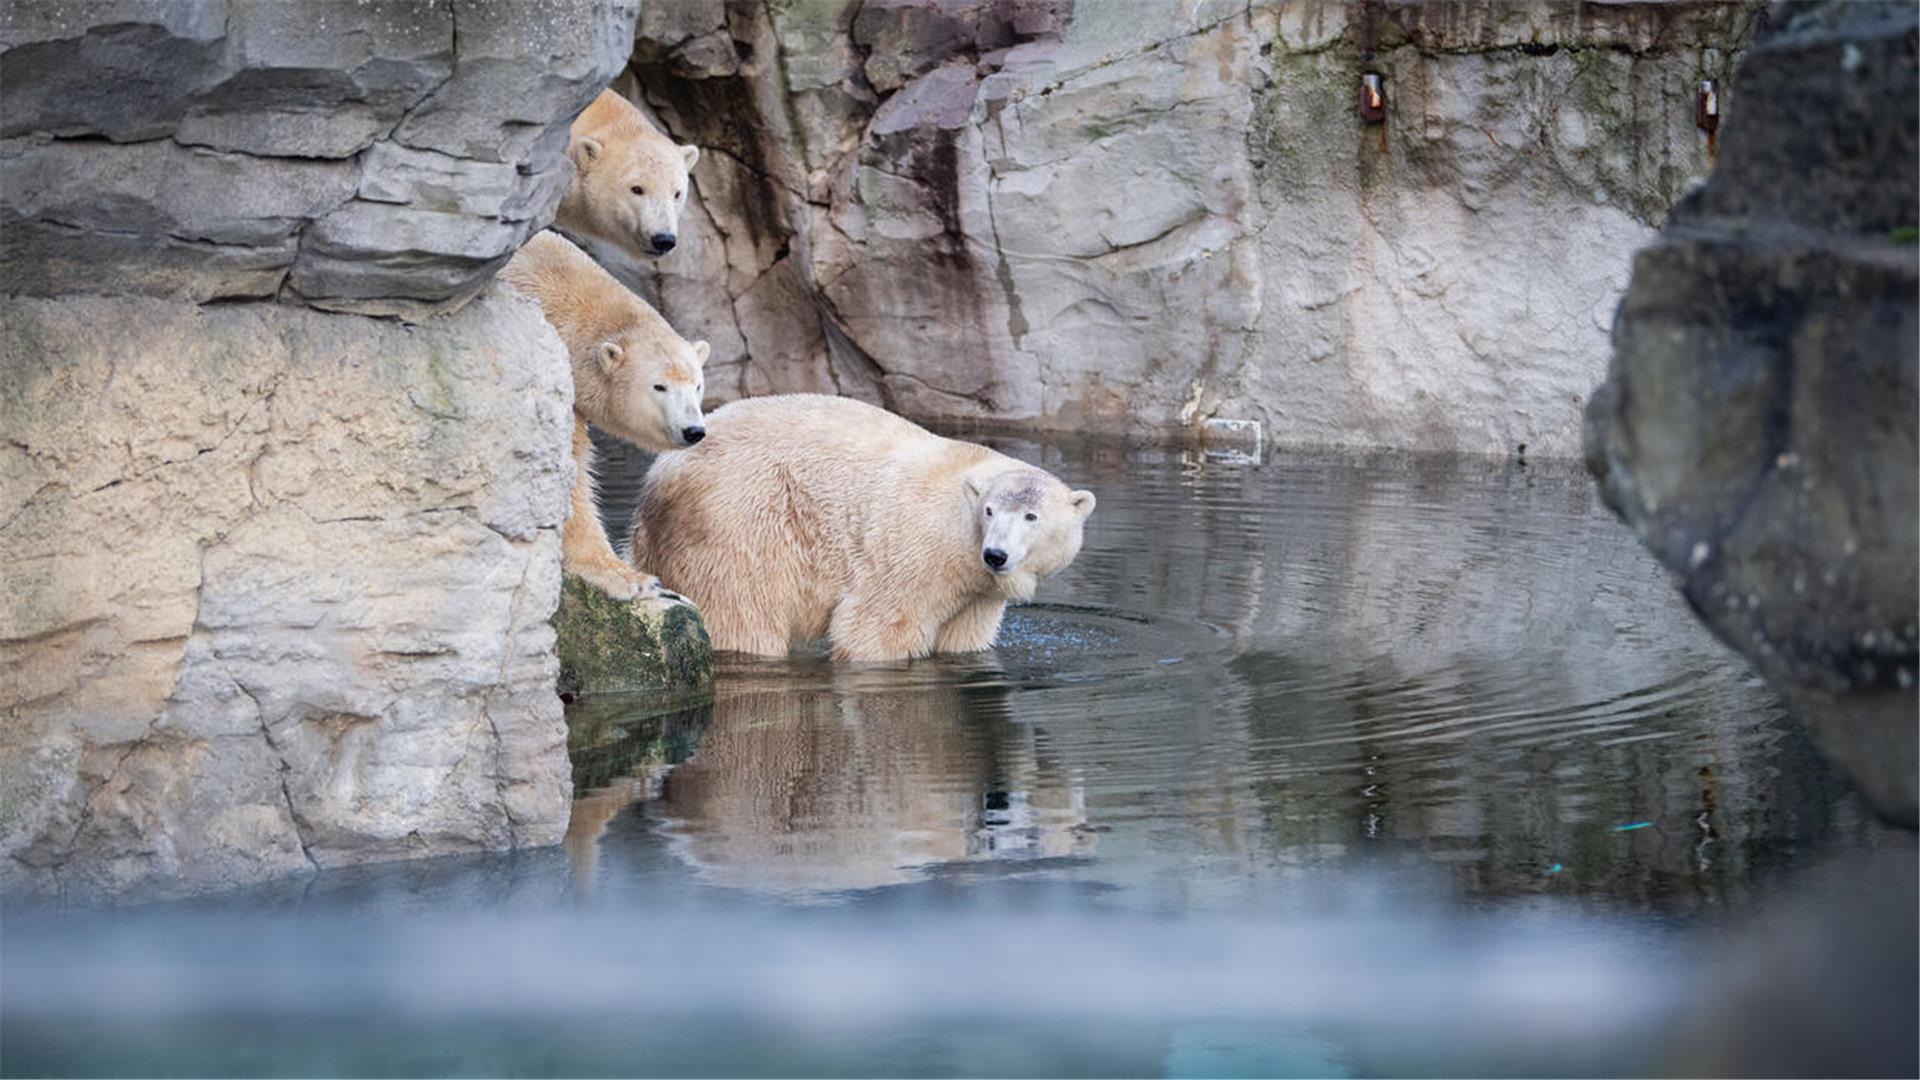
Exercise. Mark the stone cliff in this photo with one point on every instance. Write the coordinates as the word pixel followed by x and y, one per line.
pixel 1142 216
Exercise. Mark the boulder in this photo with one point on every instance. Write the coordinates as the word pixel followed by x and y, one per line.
pixel 610 646
pixel 1757 427
pixel 274 590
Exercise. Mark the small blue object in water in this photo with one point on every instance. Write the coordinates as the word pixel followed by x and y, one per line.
pixel 1554 869
pixel 1632 826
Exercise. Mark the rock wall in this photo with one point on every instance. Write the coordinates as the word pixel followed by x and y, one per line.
pixel 275 582
pixel 383 157
pixel 1757 429
pixel 276 589
pixel 1141 216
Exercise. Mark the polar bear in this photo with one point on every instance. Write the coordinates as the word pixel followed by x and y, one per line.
pixel 632 376
pixel 629 180
pixel 801 516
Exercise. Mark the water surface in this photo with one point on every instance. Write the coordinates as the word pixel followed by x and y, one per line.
pixel 1314 767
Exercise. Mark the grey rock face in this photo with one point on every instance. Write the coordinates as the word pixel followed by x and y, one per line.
pixel 1145 216
pixel 382 156
pixel 1757 428
pixel 274 590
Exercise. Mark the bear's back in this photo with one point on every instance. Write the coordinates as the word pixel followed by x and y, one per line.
pixel 849 470
pixel 582 301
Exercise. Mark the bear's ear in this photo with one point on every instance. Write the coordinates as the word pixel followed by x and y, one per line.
pixel 1082 502
pixel 973 489
pixel 584 150
pixel 701 350
pixel 692 154
pixel 611 357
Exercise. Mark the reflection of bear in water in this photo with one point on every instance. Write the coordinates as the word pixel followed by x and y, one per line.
pixel 857 784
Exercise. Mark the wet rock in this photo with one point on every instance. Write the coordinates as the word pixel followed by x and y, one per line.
pixel 1757 428
pixel 383 157
pixel 609 646
pixel 1145 217
pixel 274 590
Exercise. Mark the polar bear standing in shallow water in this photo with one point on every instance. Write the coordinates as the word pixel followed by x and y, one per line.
pixel 632 376
pixel 802 516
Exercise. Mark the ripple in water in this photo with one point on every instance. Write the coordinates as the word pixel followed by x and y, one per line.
pixel 1321 767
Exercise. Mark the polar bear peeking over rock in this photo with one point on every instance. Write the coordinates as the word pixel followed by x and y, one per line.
pixel 632 377
pixel 802 516
pixel 629 180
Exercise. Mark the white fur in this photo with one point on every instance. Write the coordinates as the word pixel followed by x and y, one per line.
pixel 632 376
pixel 804 516
pixel 630 181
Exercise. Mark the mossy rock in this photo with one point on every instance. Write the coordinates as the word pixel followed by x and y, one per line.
pixel 609 645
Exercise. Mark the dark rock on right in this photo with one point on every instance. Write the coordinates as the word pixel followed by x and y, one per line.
pixel 1757 426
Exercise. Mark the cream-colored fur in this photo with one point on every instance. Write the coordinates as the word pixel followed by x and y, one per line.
pixel 632 377
pixel 629 180
pixel 801 516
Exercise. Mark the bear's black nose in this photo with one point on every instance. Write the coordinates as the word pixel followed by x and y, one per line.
pixel 662 242
pixel 994 557
pixel 693 434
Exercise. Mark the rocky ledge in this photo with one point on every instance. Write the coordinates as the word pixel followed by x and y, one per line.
pixel 381 157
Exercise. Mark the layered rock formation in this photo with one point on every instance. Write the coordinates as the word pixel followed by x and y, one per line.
pixel 1757 429
pixel 275 582
pixel 381 157
pixel 1143 216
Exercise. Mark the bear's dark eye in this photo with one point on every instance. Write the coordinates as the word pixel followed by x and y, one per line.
pixel 638 190
pixel 1033 517
pixel 679 194
pixel 989 511
pixel 662 387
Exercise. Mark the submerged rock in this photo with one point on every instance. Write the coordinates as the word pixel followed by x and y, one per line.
pixel 1757 429
pixel 607 645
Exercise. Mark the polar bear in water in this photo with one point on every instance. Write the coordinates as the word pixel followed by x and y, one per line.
pixel 802 516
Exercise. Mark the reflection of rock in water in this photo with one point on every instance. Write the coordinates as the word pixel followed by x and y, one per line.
pixel 859 782
pixel 618 760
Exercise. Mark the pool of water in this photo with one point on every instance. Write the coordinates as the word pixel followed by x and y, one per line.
pixel 1311 767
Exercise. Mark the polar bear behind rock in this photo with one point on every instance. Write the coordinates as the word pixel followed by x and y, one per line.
pixel 632 377
pixel 629 180
pixel 802 516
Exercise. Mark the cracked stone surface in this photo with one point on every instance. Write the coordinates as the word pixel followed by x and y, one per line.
pixel 384 157
pixel 275 589
pixel 1757 428
pixel 1038 214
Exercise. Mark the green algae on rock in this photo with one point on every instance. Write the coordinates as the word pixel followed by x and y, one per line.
pixel 609 646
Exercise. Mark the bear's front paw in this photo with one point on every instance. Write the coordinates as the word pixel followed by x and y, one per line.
pixel 621 588
pixel 652 590
pixel 618 582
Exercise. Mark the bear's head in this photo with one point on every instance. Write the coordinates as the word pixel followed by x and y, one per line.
pixel 1030 526
pixel 649 385
pixel 629 192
